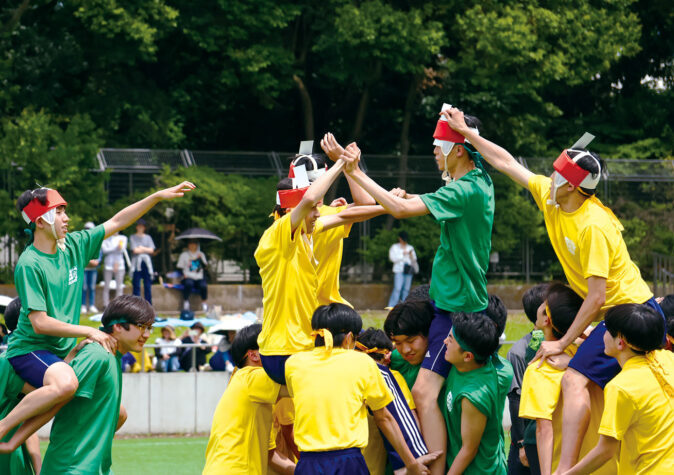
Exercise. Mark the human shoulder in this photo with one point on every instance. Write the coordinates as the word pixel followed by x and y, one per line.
pixel 93 353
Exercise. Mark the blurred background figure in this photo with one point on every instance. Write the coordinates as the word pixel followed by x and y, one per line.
pixel 192 262
pixel 142 246
pixel 404 267
pixel 113 250
pixel 167 357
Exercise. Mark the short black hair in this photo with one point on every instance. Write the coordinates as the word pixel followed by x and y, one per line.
pixel 404 236
pixel 640 325
pixel 131 308
pixel 478 331
pixel 667 306
pixel 29 195
pixel 303 160
pixel 245 339
pixel 497 311
pixel 594 166
pixel 532 299
pixel 564 304
pixel 409 318
pixel 420 292
pixel 340 319
pixel 12 314
pixel 283 184
pixel 375 338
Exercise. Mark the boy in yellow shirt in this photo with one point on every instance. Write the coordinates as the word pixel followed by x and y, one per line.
pixel 288 266
pixel 542 383
pixel 331 387
pixel 587 240
pixel 639 401
pixel 239 440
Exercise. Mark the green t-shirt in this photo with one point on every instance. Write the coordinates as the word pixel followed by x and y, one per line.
pixel 52 283
pixel 17 462
pixel 408 371
pixel 81 437
pixel 482 389
pixel 465 210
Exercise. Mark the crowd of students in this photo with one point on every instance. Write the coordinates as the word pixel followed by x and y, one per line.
pixel 315 394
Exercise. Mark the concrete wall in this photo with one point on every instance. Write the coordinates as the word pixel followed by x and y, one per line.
pixel 241 297
pixel 168 403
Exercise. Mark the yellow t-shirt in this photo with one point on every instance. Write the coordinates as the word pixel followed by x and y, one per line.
pixel 541 398
pixel 330 390
pixel 328 249
pixel 137 367
pixel 239 440
pixel 639 413
pixel 587 243
pixel 289 286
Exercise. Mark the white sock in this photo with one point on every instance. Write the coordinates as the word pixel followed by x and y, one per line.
pixel 186 305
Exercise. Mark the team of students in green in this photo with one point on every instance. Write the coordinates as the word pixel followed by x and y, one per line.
pixel 445 344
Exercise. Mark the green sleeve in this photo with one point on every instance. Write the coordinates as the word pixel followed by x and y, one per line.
pixel 30 287
pixel 479 397
pixel 88 243
pixel 88 365
pixel 447 203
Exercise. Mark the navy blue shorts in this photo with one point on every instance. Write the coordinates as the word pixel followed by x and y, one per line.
pixel 441 326
pixel 590 359
pixel 275 367
pixel 32 366
pixel 332 462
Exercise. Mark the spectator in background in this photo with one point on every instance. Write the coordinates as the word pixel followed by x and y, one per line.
pixel 113 249
pixel 194 336
pixel 404 261
pixel 89 282
pixel 192 263
pixel 167 357
pixel 222 359
pixel 142 247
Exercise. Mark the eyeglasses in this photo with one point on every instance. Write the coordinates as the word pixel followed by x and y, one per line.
pixel 143 328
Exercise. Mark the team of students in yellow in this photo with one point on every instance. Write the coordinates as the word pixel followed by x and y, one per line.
pixel 601 398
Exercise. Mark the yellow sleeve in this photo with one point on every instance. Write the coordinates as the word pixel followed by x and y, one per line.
pixel 261 388
pixel 404 388
pixel 318 226
pixel 541 388
pixel 539 186
pixel 594 252
pixel 619 410
pixel 377 394
pixel 272 437
pixel 284 411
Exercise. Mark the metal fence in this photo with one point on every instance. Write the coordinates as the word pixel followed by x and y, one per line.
pixel 663 274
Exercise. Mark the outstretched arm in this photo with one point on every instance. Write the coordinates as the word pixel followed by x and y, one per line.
pixel 606 448
pixel 394 204
pixel 354 214
pixel 314 194
pixel 497 156
pixel 131 213
pixel 334 150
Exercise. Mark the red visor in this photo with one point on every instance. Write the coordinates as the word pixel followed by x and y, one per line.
pixel 444 132
pixel 35 209
pixel 291 198
pixel 566 167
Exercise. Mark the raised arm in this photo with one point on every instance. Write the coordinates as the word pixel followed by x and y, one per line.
pixel 315 194
pixel 397 206
pixel 334 150
pixel 131 213
pixel 497 156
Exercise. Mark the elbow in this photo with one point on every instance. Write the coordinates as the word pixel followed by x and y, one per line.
pixel 38 327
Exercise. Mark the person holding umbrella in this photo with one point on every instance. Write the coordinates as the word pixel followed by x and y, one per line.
pixel 192 262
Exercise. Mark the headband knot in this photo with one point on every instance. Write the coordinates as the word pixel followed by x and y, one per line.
pixel 326 335
pixel 365 349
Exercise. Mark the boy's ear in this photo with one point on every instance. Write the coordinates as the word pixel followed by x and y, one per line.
pixel 254 356
pixel 468 356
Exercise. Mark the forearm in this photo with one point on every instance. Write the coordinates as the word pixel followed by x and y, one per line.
pixel 280 463
pixel 462 460
pixel 393 204
pixel 497 156
pixel 50 326
pixel 389 427
pixel 595 458
pixel 33 447
pixel 587 314
pixel 320 187
pixel 359 195
pixel 544 442
pixel 130 214
pixel 355 214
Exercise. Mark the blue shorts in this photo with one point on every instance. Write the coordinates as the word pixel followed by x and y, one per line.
pixel 441 325
pixel 590 359
pixel 32 366
pixel 332 462
pixel 275 367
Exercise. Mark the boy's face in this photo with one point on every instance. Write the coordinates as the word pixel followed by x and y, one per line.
pixel 412 348
pixel 61 221
pixel 454 354
pixel 542 319
pixel 311 218
pixel 612 345
pixel 132 339
pixel 140 228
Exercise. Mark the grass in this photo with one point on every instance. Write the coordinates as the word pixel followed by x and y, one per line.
pixel 175 455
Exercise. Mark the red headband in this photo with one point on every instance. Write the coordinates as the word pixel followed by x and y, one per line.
pixel 569 169
pixel 291 198
pixel 35 209
pixel 444 132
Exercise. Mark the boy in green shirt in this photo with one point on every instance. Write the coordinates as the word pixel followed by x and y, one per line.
pixel 48 278
pixel 473 398
pixel 465 209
